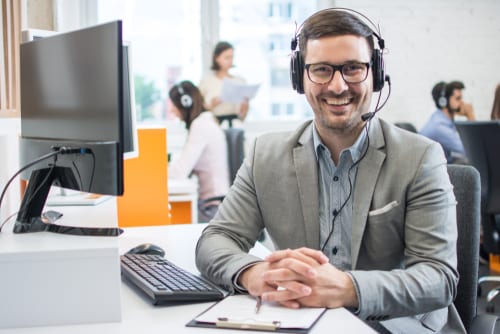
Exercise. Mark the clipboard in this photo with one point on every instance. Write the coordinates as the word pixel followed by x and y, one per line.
pixel 238 312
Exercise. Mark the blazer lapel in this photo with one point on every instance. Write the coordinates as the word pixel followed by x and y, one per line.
pixel 307 180
pixel 364 189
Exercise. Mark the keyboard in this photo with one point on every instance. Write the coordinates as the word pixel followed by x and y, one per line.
pixel 165 282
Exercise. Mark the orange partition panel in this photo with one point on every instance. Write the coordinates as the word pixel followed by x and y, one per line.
pixel 145 198
pixel 181 212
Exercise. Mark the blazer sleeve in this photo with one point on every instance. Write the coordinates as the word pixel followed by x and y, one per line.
pixel 222 249
pixel 427 278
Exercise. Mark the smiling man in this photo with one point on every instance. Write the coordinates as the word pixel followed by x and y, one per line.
pixel 362 213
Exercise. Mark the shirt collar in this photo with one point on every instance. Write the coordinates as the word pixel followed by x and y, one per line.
pixel 355 149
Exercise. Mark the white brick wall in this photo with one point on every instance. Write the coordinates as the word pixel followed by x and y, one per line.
pixel 434 40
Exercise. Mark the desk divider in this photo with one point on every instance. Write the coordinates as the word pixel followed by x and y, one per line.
pixel 145 199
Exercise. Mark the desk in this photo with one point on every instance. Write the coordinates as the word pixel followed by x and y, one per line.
pixel 140 316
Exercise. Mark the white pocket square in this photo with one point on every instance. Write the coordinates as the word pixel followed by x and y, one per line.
pixel 383 209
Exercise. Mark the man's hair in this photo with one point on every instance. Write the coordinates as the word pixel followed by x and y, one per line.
pixel 219 48
pixel 446 88
pixel 188 114
pixel 333 22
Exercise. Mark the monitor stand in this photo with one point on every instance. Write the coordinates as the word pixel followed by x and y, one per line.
pixel 30 217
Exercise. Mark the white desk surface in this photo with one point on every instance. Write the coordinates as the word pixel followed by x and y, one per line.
pixel 140 316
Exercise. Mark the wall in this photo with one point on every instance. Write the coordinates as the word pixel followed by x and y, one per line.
pixel 433 40
pixel 9 151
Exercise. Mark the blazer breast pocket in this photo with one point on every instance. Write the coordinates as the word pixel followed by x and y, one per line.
pixel 383 237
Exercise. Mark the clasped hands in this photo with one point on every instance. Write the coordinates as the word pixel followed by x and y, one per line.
pixel 299 278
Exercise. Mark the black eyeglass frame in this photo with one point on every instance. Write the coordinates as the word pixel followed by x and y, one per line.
pixel 339 68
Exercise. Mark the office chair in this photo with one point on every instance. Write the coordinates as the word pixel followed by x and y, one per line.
pixel 466 186
pixel 481 141
pixel 407 126
pixel 235 139
pixel 228 118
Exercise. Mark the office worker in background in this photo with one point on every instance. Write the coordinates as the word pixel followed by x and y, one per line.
pixel 205 150
pixel 362 213
pixel 495 110
pixel 441 127
pixel 211 85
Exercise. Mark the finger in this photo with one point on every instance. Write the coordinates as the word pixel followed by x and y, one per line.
pixel 309 256
pixel 290 304
pixel 285 294
pixel 290 269
pixel 315 254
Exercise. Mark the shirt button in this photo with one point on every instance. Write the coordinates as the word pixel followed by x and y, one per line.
pixel 335 178
pixel 335 250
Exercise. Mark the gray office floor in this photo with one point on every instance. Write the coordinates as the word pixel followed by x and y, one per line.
pixel 482 305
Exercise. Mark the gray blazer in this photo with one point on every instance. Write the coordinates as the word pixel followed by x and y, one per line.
pixel 403 230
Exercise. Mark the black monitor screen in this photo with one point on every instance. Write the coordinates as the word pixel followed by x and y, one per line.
pixel 72 109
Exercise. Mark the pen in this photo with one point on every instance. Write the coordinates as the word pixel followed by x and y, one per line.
pixel 259 303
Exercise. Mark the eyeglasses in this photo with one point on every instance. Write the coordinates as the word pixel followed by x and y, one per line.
pixel 352 72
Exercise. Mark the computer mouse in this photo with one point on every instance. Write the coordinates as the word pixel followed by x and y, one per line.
pixel 147 248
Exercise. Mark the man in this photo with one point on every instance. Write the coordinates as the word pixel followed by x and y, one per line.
pixel 362 213
pixel 440 127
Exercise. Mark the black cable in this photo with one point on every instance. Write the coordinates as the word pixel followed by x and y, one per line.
pixel 350 187
pixel 367 129
pixel 93 171
pixel 34 162
pixel 55 153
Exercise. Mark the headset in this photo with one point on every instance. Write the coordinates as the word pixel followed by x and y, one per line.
pixel 442 99
pixel 185 99
pixel 377 62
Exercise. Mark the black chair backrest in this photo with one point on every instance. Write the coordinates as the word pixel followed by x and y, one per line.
pixel 481 141
pixel 235 138
pixel 407 126
pixel 466 186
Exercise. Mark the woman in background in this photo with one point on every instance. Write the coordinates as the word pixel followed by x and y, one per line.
pixel 495 111
pixel 205 150
pixel 211 85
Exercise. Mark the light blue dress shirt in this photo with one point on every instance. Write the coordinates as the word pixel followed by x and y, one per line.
pixel 336 186
pixel 441 128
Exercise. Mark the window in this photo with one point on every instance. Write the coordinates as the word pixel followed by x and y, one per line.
pixel 262 52
pixel 167 38
pixel 165 44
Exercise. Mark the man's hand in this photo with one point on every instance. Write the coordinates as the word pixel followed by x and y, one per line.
pixel 467 110
pixel 301 277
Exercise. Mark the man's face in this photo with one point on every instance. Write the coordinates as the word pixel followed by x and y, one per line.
pixel 338 105
pixel 455 101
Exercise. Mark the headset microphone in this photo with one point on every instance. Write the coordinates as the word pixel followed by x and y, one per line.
pixel 369 115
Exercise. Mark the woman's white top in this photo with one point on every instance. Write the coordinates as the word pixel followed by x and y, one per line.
pixel 205 155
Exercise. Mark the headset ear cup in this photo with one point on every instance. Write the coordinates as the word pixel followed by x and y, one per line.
pixel 297 72
pixel 378 70
pixel 186 101
pixel 442 100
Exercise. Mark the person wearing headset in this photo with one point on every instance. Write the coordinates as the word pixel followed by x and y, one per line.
pixel 211 85
pixel 361 213
pixel 205 150
pixel 441 127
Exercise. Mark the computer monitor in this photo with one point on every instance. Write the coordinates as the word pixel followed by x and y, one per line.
pixel 130 136
pixel 72 119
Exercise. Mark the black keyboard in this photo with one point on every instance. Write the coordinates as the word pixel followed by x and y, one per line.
pixel 163 281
